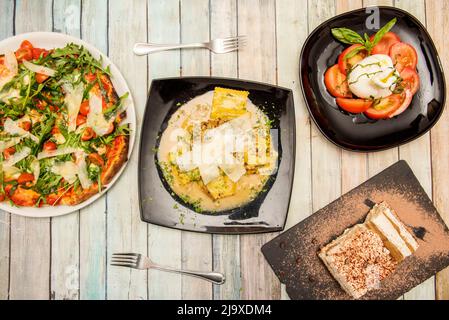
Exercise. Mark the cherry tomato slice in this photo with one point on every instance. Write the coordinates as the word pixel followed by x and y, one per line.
pixel 26 45
pixel 25 177
pixel 24 54
pixel 354 105
pixel 37 52
pixel 88 134
pixel 347 64
pixel 385 107
pixel 403 56
pixel 336 83
pixel 80 119
pixel 384 45
pixel 84 108
pixel 410 80
pixel 8 152
pixel 49 146
pixel 408 97
pixel 41 77
pixel 25 125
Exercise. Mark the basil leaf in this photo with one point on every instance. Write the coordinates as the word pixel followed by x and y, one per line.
pixel 379 35
pixel 353 52
pixel 347 36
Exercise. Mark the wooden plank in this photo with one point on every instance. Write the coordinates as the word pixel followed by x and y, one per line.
pixel 125 231
pixel 354 166
pixel 417 155
pixel 226 249
pixel 257 61
pixel 196 248
pixel 92 276
pixel 437 13
pixel 291 32
pixel 65 229
pixel 163 27
pixel 6 30
pixel 30 238
pixel 326 158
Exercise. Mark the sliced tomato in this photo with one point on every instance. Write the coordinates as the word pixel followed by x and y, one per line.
pixel 26 45
pixel 407 100
pixel 52 199
pixel 84 108
pixel 403 56
pixel 80 119
pixel 37 52
pixel 384 45
pixel 25 177
pixel 88 134
pixel 49 146
pixel 2 197
pixel 24 54
pixel 385 107
pixel 336 83
pixel 2 59
pixel 8 152
pixel 41 77
pixel 55 130
pixel 410 80
pixel 347 64
pixel 354 105
pixel 25 125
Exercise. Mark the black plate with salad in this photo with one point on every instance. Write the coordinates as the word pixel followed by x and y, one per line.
pixel 370 90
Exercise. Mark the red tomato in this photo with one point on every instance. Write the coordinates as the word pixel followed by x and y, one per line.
pixel 25 125
pixel 25 177
pixel 336 83
pixel 84 108
pixel 88 134
pixel 96 159
pixel 384 45
pixel 354 105
pixel 90 77
pixel 26 45
pixel 37 52
pixel 24 54
pixel 410 80
pixel 49 146
pixel 8 188
pixel 41 77
pixel 385 107
pixel 52 199
pixel 347 64
pixel 80 119
pixel 2 59
pixel 2 197
pixel 8 152
pixel 403 55
pixel 408 96
pixel 55 130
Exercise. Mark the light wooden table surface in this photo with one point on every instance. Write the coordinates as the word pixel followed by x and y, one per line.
pixel 66 257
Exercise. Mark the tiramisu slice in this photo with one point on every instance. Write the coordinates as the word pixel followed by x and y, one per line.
pixel 367 253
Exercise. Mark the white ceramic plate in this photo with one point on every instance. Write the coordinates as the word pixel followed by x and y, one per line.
pixel 50 40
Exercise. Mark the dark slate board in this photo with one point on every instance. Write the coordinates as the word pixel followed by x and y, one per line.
pixel 293 254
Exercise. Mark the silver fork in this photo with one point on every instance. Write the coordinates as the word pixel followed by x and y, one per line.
pixel 138 261
pixel 221 45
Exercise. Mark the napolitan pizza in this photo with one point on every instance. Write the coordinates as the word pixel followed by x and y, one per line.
pixel 62 136
pixel 375 75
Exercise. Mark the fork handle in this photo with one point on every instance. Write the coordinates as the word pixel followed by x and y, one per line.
pixel 214 277
pixel 142 48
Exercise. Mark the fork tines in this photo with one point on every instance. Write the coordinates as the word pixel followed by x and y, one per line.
pixel 129 260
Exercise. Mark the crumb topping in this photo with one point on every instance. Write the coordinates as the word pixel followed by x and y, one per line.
pixel 363 260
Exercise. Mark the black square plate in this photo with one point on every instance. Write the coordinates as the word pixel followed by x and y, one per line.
pixel 356 132
pixel 159 205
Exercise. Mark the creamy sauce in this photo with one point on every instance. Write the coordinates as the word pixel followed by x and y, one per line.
pixel 195 193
